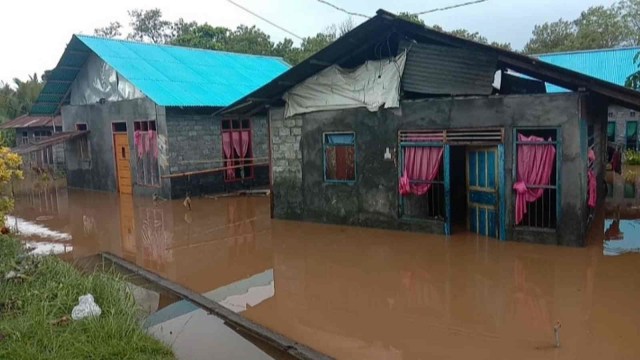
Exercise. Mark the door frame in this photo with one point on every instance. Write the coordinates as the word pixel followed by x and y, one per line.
pixel 113 151
pixel 497 176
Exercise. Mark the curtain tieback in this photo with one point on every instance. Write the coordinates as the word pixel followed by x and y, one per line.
pixel 520 187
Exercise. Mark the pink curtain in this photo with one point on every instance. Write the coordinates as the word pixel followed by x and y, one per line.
pixel 138 141
pixel 246 140
pixel 236 139
pixel 420 163
pixel 227 148
pixel 591 181
pixel 153 143
pixel 535 165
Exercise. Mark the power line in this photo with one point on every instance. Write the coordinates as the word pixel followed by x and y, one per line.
pixel 265 20
pixel 449 7
pixel 343 10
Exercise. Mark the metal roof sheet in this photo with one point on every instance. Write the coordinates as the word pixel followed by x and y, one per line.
pixel 26 121
pixel 54 139
pixel 168 75
pixel 378 30
pixel 612 65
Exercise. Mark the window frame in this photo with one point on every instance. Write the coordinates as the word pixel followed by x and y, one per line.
pixel 83 141
pixel 626 134
pixel 325 145
pixel 558 178
pixel 611 140
pixel 237 161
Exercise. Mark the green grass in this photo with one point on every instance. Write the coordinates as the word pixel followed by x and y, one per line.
pixel 30 306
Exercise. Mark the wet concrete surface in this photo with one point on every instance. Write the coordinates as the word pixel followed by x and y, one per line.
pixel 356 293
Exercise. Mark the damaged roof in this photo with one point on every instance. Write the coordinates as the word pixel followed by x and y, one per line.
pixel 56 138
pixel 356 46
pixel 168 75
pixel 27 121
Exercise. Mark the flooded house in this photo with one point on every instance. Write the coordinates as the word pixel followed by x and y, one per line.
pixel 399 126
pixel 39 140
pixel 144 115
pixel 614 66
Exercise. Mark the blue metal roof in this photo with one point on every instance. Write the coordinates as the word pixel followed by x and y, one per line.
pixel 612 65
pixel 168 75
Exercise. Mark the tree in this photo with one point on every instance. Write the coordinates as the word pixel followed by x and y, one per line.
pixel 345 26
pixel 110 31
pixel 148 25
pixel 633 81
pixel 630 10
pixel 10 169
pixel 411 17
pixel 599 28
pixel 551 37
pixel 204 37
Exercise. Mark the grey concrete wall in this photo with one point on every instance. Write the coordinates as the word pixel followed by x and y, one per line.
pixel 195 144
pixel 99 172
pixel 301 193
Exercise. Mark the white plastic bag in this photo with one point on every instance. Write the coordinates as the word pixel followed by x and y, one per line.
pixel 87 307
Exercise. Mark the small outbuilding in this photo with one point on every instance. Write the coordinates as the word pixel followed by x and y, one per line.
pixel 399 126
pixel 145 112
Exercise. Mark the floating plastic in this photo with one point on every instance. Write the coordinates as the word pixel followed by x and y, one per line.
pixel 86 307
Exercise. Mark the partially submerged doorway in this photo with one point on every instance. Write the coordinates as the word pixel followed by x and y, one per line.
pixel 455 177
pixel 122 156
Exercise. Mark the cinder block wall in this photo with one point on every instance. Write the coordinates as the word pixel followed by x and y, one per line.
pixel 301 193
pixel 195 144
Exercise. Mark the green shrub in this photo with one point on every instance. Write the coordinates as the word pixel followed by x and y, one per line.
pixel 632 157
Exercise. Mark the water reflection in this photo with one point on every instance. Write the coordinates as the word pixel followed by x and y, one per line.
pixel 622 224
pixel 365 293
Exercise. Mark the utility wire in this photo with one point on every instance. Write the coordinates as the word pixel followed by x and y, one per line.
pixel 351 13
pixel 343 10
pixel 449 7
pixel 265 20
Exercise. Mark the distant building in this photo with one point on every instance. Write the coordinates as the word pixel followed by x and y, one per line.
pixel 614 66
pixel 399 126
pixel 36 141
pixel 146 114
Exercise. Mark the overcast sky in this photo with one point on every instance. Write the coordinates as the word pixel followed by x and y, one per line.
pixel 34 33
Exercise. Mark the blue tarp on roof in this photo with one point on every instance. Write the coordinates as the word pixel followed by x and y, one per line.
pixel 168 75
pixel 612 65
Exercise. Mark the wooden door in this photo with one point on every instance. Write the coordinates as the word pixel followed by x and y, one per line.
pixel 123 165
pixel 482 190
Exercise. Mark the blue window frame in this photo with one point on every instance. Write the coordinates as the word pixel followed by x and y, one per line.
pixel 339 157
pixel 543 213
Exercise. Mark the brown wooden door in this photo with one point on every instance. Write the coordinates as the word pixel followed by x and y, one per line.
pixel 123 165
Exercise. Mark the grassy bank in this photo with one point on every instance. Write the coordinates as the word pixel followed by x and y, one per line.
pixel 35 313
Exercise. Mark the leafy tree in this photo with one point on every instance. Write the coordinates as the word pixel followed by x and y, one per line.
pixel 10 170
pixel 551 37
pixel 148 25
pixel 411 17
pixel 599 27
pixel 633 81
pixel 110 31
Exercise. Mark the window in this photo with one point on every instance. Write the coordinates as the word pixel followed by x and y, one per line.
pixel 83 144
pixel 236 149
pixel 632 135
pixel 536 172
pixel 25 137
pixel 340 157
pixel 611 131
pixel 145 138
pixel 39 135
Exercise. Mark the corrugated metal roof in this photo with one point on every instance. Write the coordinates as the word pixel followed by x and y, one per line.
pixel 26 121
pixel 380 28
pixel 168 75
pixel 54 139
pixel 612 65
pixel 435 69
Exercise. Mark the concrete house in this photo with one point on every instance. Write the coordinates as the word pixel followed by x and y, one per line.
pixel 38 141
pixel 614 66
pixel 398 126
pixel 145 112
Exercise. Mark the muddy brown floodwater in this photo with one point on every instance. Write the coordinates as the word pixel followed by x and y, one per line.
pixel 356 293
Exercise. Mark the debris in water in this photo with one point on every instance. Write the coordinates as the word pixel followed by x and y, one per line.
pixel 556 331
pixel 86 307
pixel 187 202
